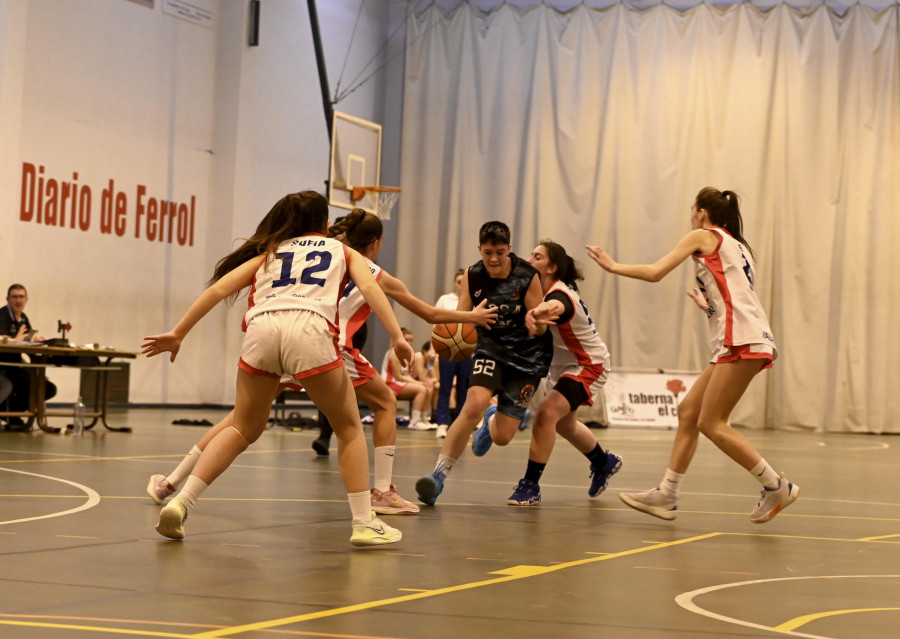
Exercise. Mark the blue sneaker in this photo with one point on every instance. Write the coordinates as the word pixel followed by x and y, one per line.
pixel 600 476
pixel 429 487
pixel 527 493
pixel 481 442
pixel 525 419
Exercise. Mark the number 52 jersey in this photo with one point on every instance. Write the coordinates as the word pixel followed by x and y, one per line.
pixel 304 273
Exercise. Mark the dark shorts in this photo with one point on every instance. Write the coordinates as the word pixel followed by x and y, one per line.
pixel 573 391
pixel 514 389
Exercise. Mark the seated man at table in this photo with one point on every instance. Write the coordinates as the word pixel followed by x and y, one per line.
pixel 14 324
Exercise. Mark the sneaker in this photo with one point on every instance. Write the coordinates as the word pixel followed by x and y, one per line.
pixel 390 503
pixel 171 520
pixel 600 477
pixel 422 425
pixel 158 488
pixel 321 447
pixel 441 432
pixel 527 493
pixel 429 487
pixel 773 500
pixel 373 533
pixel 367 419
pixel 525 419
pixel 481 441
pixel 653 503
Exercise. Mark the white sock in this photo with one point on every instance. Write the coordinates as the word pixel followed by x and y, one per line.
pixel 183 469
pixel 765 474
pixel 193 488
pixel 670 483
pixel 384 467
pixel 416 417
pixel 444 463
pixel 361 506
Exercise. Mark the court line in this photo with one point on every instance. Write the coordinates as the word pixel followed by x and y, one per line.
pixel 506 575
pixel 686 601
pixel 805 619
pixel 93 498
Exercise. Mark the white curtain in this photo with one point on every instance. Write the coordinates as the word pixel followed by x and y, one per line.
pixel 599 126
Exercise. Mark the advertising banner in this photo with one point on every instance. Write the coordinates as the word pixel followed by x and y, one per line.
pixel 648 400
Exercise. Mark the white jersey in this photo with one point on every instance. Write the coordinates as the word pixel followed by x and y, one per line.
pixel 576 341
pixel 304 273
pixel 726 278
pixel 448 302
pixel 353 308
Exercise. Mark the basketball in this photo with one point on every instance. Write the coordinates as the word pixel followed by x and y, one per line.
pixel 454 342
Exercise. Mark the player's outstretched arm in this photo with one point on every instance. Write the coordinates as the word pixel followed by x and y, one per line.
pixel 375 297
pixel 228 284
pixel 396 290
pixel 697 241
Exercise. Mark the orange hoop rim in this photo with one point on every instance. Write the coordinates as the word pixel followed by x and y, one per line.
pixel 358 192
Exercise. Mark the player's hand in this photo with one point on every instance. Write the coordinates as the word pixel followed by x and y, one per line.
pixel 699 298
pixel 601 257
pixel 538 317
pixel 20 334
pixel 404 352
pixel 167 342
pixel 484 316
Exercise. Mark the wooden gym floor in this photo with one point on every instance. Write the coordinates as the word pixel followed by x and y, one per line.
pixel 267 552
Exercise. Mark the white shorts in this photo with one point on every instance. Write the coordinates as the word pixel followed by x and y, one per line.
pixel 591 378
pixel 358 367
pixel 293 343
pixel 727 354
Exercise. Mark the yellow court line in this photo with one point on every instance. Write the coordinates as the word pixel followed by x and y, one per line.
pixel 867 540
pixel 793 624
pixel 509 574
pixel 880 538
pixel 119 631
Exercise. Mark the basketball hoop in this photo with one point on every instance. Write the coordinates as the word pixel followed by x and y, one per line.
pixel 381 199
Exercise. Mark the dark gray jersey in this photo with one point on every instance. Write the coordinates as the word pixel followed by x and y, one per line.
pixel 507 340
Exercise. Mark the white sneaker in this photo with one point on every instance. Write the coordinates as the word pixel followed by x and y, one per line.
pixel 373 533
pixel 773 500
pixel 652 502
pixel 422 425
pixel 171 520
pixel 441 432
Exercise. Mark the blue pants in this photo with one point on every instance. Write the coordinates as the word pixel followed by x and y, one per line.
pixel 448 371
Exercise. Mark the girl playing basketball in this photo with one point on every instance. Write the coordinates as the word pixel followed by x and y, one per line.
pixel 578 371
pixel 297 277
pixel 741 343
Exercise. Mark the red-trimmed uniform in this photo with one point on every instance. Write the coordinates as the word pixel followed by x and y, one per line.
pixel 738 326
pixel 354 311
pixel 292 320
pixel 579 355
pixel 387 372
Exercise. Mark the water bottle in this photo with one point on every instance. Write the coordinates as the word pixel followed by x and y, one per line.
pixel 78 422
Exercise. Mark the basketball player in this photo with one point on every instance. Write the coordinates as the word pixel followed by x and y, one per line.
pixel 577 373
pixel 508 362
pixel 741 345
pixel 297 277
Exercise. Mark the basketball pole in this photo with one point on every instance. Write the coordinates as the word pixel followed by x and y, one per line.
pixel 320 63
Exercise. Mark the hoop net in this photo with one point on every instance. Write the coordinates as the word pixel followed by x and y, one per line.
pixel 381 199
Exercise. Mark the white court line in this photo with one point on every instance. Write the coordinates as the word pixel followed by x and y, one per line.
pixel 93 498
pixel 686 601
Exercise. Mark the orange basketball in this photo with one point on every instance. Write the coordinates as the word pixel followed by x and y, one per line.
pixel 454 342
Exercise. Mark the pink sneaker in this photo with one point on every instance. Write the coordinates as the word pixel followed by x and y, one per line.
pixel 390 503
pixel 158 488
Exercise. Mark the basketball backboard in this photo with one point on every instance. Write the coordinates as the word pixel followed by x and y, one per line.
pixel 355 159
